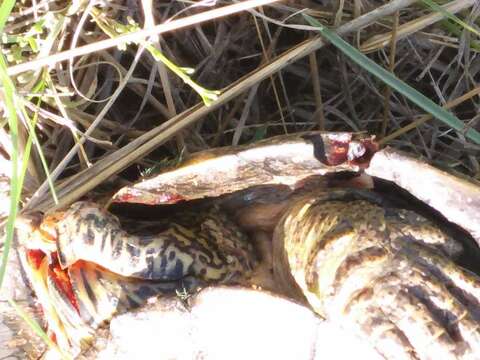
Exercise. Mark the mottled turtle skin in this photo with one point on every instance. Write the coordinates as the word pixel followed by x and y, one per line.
pixel 213 250
pixel 382 272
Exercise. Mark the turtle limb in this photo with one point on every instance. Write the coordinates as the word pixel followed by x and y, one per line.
pixel 428 337
pixel 340 248
pixel 454 306
pixel 384 335
pixel 463 284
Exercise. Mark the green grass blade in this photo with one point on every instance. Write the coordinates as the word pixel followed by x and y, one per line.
pixel 37 329
pixel 113 29
pixel 391 80
pixel 16 180
pixel 31 131
pixel 9 91
pixel 5 10
pixel 31 123
pixel 434 6
pixel 457 31
pixel 15 186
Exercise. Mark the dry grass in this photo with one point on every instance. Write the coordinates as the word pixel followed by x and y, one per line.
pixel 106 116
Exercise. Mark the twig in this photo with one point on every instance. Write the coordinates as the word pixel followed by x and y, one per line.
pixel 319 114
pixel 61 166
pixel 78 185
pixel 425 118
pixel 378 41
pixel 391 67
pixel 136 36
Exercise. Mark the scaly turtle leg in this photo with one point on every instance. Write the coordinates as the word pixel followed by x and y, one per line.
pixel 382 271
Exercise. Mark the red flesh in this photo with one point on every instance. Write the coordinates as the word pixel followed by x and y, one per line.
pixel 337 153
pixel 371 148
pixel 62 281
pixel 59 276
pixel 35 258
pixel 148 199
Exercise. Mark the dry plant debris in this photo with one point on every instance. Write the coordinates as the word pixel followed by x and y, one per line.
pixel 109 116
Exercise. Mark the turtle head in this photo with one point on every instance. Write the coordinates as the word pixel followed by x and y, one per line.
pixel 37 236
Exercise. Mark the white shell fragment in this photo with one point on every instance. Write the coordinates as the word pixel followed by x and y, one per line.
pixel 285 160
pixel 455 198
pixel 230 323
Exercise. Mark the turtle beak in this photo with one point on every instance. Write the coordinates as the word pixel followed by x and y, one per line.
pixel 55 294
pixel 50 283
pixel 35 265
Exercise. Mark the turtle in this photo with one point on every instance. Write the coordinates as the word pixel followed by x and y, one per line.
pixel 350 254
